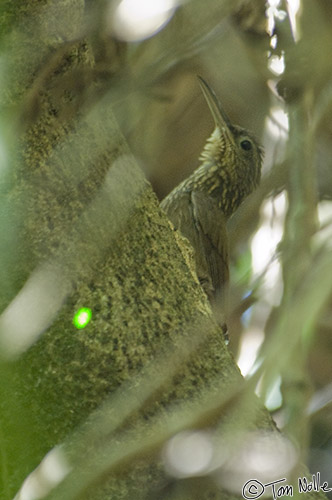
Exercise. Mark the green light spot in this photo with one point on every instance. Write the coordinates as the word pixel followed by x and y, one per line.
pixel 82 317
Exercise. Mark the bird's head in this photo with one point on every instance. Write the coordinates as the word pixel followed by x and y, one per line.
pixel 232 148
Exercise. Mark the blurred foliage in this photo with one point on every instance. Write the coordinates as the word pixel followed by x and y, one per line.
pixel 63 57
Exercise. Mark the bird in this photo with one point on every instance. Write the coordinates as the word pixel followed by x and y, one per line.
pixel 199 207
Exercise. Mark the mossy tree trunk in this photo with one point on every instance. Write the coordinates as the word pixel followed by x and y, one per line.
pixel 82 228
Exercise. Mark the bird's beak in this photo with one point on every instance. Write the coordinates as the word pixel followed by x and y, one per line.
pixel 221 120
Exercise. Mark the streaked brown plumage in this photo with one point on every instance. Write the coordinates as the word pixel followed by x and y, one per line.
pixel 200 206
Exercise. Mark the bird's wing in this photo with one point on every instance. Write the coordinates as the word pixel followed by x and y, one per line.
pixel 197 216
pixel 211 234
pixel 178 209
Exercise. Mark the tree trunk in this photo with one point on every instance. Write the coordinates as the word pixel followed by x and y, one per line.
pixel 82 228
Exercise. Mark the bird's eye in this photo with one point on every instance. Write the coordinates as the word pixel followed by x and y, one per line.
pixel 246 145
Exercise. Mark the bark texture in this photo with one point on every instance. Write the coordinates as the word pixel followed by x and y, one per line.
pixel 85 230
